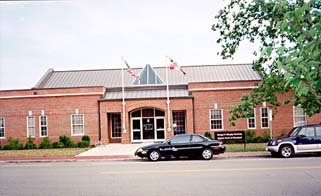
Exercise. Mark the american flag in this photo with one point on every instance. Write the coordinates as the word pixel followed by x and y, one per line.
pixel 130 71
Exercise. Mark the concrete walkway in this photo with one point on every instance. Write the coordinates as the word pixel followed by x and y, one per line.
pixel 121 152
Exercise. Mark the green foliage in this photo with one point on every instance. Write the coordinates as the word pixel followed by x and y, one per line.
pixel 258 139
pixel 266 136
pixel 13 144
pixel 64 139
pixel 249 136
pixel 45 143
pixel 208 135
pixel 58 145
pixel 289 52
pixel 70 144
pixel 30 144
pixel 83 144
pixel 85 138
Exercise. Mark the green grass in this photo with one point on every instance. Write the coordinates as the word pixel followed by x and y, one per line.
pixel 42 152
pixel 252 147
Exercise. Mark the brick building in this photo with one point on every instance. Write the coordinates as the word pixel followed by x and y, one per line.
pixel 90 102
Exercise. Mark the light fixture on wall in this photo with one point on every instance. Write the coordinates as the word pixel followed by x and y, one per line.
pixel 215 106
pixel 147 120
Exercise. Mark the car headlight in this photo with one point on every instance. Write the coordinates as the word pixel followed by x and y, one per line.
pixel 139 150
pixel 142 151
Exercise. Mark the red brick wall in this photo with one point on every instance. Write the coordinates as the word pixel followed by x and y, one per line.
pixel 58 111
pixel 131 105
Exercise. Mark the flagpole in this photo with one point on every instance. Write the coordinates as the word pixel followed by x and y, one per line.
pixel 123 101
pixel 168 102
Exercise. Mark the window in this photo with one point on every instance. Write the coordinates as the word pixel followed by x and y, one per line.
pixel 265 117
pixel 307 131
pixel 2 127
pixel 179 121
pixel 299 116
pixel 216 118
pixel 31 126
pixel 251 121
pixel 318 131
pixel 197 138
pixel 77 124
pixel 115 125
pixel 43 126
pixel 180 139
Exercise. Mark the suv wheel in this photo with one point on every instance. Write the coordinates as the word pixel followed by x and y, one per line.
pixel 286 151
pixel 207 154
pixel 154 155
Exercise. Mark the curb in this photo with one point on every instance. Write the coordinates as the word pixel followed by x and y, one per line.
pixel 227 155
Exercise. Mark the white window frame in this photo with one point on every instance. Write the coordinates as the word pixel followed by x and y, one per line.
pixel 72 125
pixel 40 126
pixel 294 116
pixel 34 126
pixel 4 128
pixel 248 120
pixel 261 118
pixel 222 114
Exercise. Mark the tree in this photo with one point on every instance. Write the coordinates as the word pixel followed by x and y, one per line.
pixel 288 33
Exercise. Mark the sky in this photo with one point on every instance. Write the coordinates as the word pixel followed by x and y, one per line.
pixel 78 35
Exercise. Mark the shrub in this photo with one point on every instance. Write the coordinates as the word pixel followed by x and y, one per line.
pixel 85 138
pixel 83 144
pixel 258 139
pixel 208 135
pixel 249 136
pixel 7 147
pixel 57 145
pixel 45 143
pixel 30 144
pixel 266 136
pixel 13 144
pixel 64 139
pixel 70 144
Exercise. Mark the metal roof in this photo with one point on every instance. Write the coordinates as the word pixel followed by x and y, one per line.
pixel 146 93
pixel 111 78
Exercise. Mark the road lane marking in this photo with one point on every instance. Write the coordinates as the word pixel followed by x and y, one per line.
pixel 211 170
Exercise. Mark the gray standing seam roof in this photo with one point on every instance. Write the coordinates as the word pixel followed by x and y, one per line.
pixel 111 78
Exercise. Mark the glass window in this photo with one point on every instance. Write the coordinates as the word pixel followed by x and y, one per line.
pixel 197 138
pixel 115 125
pixel 307 131
pixel 179 121
pixel 251 121
pixel 159 113
pixel 299 116
pixel 77 124
pixel 180 139
pixel 318 131
pixel 43 126
pixel 216 119
pixel 265 117
pixel 137 113
pixel 2 127
pixel 148 76
pixel 148 112
pixel 31 126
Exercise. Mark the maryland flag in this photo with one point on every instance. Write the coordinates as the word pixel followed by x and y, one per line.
pixel 174 66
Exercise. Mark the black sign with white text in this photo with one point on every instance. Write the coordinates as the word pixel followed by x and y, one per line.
pixel 230 135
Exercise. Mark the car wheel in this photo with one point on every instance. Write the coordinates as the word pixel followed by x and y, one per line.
pixel 286 151
pixel 207 154
pixel 154 155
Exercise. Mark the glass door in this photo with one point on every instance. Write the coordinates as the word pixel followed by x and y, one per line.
pixel 160 128
pixel 148 129
pixel 136 129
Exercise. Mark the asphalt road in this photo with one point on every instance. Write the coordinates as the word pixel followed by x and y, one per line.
pixel 261 176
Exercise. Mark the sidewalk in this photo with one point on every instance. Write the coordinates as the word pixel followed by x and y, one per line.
pixel 120 152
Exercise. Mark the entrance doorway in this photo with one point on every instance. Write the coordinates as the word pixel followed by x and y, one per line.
pixel 147 124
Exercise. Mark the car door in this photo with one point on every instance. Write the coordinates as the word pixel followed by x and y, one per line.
pixel 197 145
pixel 306 139
pixel 180 145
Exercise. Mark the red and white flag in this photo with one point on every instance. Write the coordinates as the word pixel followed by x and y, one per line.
pixel 130 71
pixel 174 66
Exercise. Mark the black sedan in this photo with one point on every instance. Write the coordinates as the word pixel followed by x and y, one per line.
pixel 190 145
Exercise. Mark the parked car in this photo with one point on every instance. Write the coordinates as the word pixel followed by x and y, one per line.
pixel 190 145
pixel 300 139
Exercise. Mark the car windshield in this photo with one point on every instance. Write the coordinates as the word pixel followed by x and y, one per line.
pixel 294 132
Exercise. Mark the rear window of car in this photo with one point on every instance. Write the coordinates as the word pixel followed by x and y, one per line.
pixel 197 138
